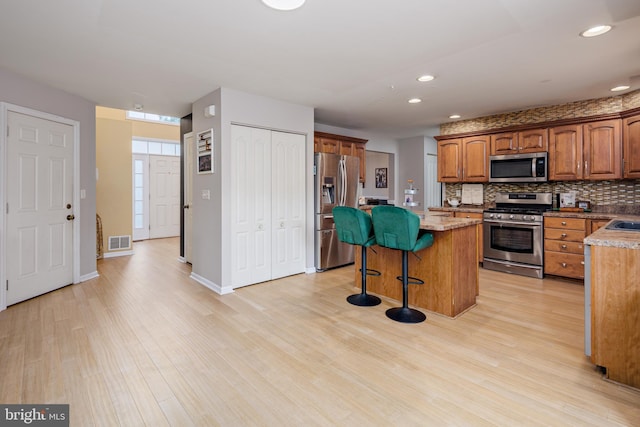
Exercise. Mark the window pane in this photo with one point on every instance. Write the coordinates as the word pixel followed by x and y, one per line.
pixel 139 146
pixel 139 221
pixel 150 116
pixel 139 166
pixel 168 149
pixel 139 208
pixel 177 149
pixel 135 114
pixel 155 147
pixel 139 193
pixel 138 180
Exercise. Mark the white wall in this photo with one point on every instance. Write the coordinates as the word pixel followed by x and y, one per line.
pixel 19 90
pixel 211 218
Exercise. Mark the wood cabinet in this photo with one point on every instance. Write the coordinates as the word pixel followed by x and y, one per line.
pixel 450 160
pixel 479 233
pixel 615 323
pixel 591 151
pixel 464 159
pixel 563 246
pixel 345 145
pixel 594 225
pixel 631 146
pixel 527 141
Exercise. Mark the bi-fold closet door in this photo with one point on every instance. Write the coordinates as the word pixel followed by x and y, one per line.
pixel 267 204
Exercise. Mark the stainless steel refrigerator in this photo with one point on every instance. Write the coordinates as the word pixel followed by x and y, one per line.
pixel 336 184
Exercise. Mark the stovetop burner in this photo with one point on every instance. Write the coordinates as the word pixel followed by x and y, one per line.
pixel 524 211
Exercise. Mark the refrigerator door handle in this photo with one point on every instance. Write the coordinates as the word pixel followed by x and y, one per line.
pixel 343 178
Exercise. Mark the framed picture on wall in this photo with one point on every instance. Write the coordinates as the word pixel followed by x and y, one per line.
pixel 381 177
pixel 204 151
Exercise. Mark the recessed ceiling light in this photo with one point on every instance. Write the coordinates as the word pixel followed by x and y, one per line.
pixel 284 4
pixel 598 30
pixel 454 116
pixel 138 107
pixel 415 101
pixel 619 88
pixel 425 78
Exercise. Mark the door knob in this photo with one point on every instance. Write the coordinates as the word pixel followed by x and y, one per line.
pixel 68 205
pixel 186 206
pixel 71 217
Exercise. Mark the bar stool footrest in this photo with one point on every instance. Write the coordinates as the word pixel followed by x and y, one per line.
pixel 372 272
pixel 411 280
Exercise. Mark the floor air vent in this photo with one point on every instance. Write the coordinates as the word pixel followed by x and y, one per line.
pixel 119 242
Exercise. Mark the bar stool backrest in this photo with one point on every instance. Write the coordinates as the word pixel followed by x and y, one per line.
pixel 353 225
pixel 395 227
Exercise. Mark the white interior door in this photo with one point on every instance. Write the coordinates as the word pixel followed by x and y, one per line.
pixel 164 201
pixel 250 205
pixel 189 156
pixel 39 216
pixel 140 196
pixel 288 203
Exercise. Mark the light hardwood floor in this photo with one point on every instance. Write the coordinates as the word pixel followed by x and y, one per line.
pixel 145 345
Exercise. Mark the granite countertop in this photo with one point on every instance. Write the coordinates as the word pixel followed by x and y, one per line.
pixel 435 222
pixel 460 208
pixel 615 238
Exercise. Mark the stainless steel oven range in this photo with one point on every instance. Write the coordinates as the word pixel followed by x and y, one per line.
pixel 513 233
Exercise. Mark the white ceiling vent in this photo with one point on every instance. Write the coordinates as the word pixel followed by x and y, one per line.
pixel 119 242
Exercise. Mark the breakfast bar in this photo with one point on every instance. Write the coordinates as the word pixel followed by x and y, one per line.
pixel 449 267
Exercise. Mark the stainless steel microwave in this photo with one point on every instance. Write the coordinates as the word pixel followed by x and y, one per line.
pixel 530 167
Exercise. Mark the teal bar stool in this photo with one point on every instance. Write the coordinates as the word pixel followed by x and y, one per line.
pixel 398 228
pixel 354 227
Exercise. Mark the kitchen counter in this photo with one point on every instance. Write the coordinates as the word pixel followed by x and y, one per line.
pixel 615 238
pixel 460 208
pixel 449 267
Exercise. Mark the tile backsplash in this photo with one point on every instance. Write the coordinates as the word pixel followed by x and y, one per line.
pixel 572 110
pixel 599 193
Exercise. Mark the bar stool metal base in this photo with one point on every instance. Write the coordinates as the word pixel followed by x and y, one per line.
pixel 363 300
pixel 406 315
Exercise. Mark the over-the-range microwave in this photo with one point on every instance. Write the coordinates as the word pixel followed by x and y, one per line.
pixel 529 167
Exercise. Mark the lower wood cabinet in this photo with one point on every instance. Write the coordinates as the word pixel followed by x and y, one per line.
pixel 477 215
pixel 563 246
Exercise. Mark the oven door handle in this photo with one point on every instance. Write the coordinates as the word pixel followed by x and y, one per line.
pixel 510 223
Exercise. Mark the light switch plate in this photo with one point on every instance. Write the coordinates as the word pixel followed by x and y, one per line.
pixel 206 194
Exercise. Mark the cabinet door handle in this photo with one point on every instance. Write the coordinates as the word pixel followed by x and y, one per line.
pixel 564 246
pixel 582 262
pixel 564 223
pixel 564 265
pixel 563 235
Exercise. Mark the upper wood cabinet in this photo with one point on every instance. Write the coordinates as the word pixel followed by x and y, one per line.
pixel 590 151
pixel 463 159
pixel 345 145
pixel 450 160
pixel 475 159
pixel 631 149
pixel 527 141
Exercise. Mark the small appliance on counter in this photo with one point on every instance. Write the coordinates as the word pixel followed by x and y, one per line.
pixel 408 196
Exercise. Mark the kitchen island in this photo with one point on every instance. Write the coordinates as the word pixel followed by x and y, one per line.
pixel 449 267
pixel 612 302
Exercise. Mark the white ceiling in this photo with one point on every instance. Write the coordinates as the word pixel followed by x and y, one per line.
pixel 354 61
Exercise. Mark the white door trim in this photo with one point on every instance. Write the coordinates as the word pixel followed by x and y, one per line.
pixel 5 108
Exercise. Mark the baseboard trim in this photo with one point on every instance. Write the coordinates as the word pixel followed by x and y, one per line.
pixel 117 254
pixel 209 284
pixel 89 276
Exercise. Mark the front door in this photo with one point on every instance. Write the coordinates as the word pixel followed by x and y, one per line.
pixel 164 203
pixel 39 240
